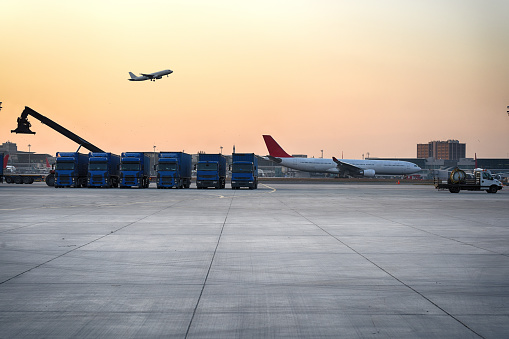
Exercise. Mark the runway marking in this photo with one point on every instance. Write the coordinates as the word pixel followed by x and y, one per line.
pixel 272 188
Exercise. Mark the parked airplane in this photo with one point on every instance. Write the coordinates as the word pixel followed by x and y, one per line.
pixel 151 76
pixel 343 167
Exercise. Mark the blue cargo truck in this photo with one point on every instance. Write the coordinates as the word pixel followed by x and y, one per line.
pixel 211 171
pixel 173 170
pixel 244 170
pixel 103 169
pixel 134 170
pixel 71 169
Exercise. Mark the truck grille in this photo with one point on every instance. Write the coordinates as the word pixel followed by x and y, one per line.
pixel 130 180
pixel 97 179
pixel 167 180
pixel 65 179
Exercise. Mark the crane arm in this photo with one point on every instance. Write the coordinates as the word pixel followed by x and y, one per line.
pixel 24 128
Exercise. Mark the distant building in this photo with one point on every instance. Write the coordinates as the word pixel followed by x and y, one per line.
pixel 8 147
pixel 25 162
pixel 447 150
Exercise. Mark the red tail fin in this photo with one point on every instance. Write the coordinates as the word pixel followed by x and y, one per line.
pixel 47 163
pixel 6 158
pixel 274 149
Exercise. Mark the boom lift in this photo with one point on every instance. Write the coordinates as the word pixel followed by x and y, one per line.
pixel 24 128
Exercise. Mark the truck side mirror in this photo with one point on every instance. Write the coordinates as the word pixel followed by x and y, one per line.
pixel 155 167
pixel 194 167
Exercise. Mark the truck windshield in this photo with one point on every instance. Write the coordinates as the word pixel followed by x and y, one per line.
pixel 65 166
pixel 129 167
pixel 242 168
pixel 206 167
pixel 167 167
pixel 98 166
pixel 487 176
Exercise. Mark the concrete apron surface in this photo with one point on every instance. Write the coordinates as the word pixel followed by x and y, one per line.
pixel 286 260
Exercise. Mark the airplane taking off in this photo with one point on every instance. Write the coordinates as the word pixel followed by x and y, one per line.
pixel 151 76
pixel 343 167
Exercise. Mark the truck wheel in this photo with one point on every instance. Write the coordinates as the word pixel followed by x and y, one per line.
pixel 492 189
pixel 18 180
pixel 9 180
pixel 28 180
pixel 50 179
pixel 454 190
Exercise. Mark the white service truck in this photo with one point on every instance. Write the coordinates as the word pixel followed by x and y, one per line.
pixel 458 180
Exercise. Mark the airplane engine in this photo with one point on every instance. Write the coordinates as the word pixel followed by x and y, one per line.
pixel 368 173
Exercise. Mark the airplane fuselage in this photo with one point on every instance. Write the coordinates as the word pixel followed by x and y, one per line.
pixel 150 76
pixel 381 167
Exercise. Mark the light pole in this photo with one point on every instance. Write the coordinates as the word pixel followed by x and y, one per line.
pixel 322 153
pixel 221 147
pixel 29 155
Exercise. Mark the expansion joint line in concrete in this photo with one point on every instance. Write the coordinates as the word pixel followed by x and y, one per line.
pixel 210 267
pixel 88 243
pixel 386 272
pixel 441 236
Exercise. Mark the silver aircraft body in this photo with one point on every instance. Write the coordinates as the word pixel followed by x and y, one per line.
pixel 150 76
pixel 342 167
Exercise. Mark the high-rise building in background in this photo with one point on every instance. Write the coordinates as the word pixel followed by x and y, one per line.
pixel 447 150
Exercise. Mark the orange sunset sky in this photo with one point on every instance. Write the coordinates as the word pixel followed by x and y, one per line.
pixel 338 76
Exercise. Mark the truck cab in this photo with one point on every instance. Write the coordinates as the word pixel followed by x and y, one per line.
pixel 244 170
pixel 173 170
pixel 211 171
pixel 486 181
pixel 134 170
pixel 103 169
pixel 71 169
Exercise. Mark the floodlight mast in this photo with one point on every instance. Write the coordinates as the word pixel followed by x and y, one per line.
pixel 24 128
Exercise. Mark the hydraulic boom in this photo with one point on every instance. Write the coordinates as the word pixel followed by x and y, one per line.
pixel 24 128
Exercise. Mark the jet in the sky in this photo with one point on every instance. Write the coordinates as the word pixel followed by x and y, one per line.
pixel 343 167
pixel 151 76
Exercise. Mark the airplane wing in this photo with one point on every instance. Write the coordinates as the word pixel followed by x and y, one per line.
pixel 150 76
pixel 346 167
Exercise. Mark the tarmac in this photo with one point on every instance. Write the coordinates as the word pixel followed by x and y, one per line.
pixel 298 260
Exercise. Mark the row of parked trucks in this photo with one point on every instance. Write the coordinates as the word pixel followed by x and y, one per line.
pixel 132 169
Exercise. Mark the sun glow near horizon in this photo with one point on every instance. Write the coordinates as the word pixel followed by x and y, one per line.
pixel 343 77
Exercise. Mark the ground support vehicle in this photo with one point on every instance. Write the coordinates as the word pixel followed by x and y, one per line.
pixel 134 170
pixel 173 170
pixel 244 169
pixel 211 171
pixel 458 180
pixel 16 178
pixel 103 169
pixel 71 169
pixel 24 128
